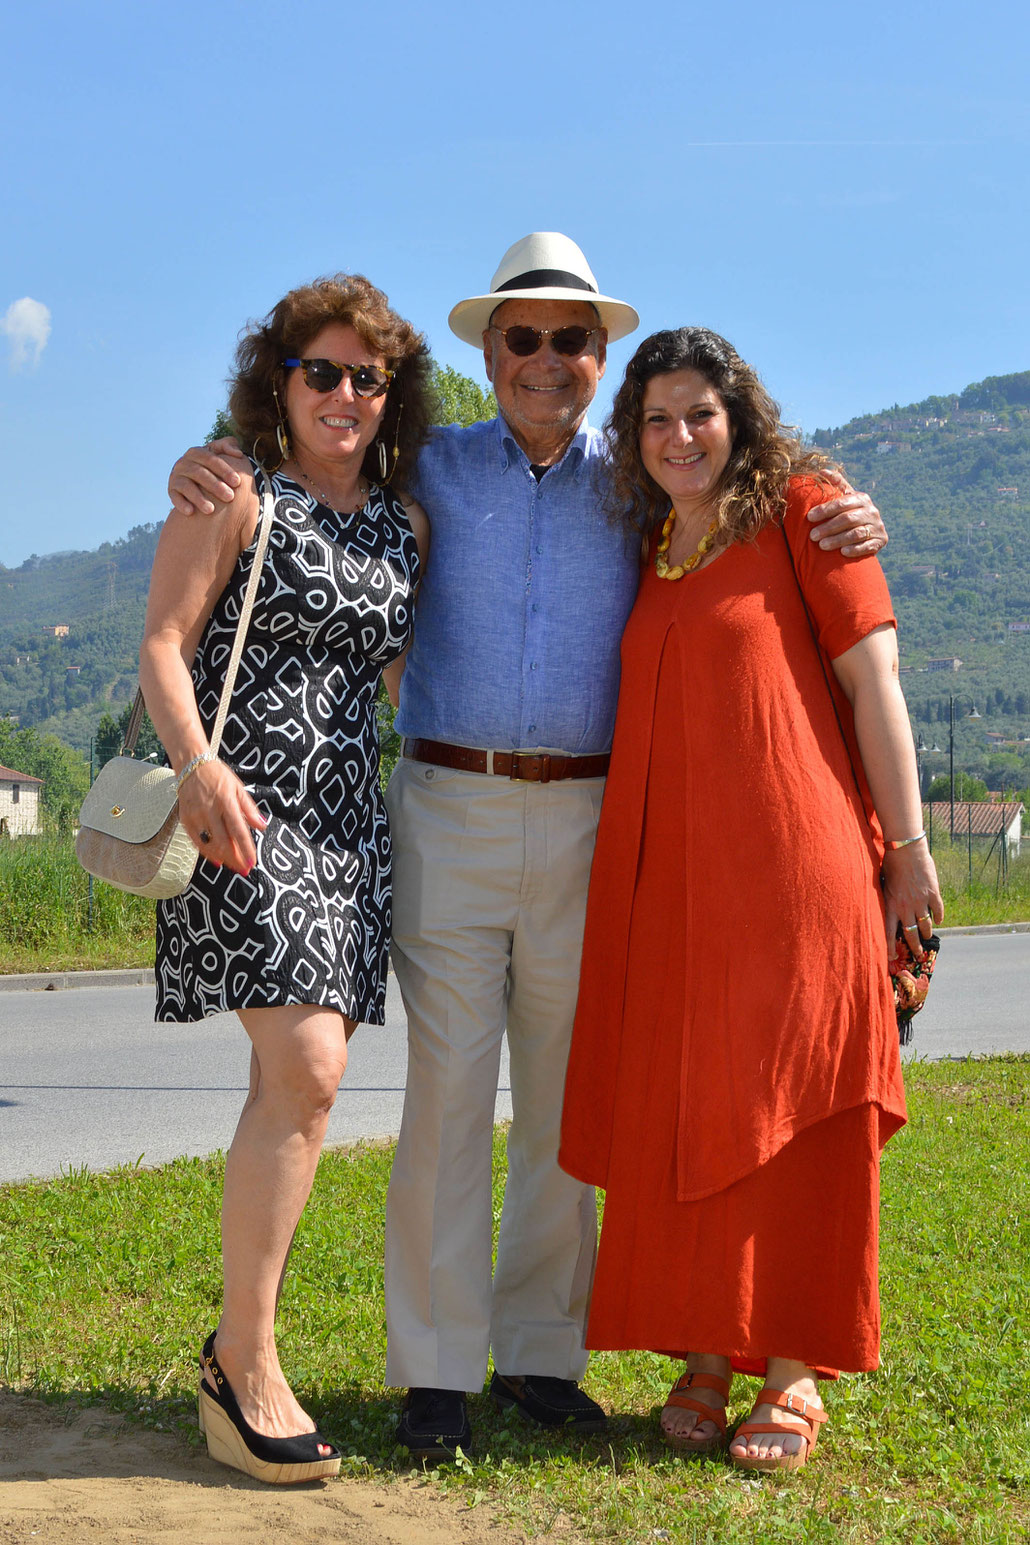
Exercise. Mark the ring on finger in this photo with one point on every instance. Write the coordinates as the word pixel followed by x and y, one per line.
pixel 911 927
pixel 924 917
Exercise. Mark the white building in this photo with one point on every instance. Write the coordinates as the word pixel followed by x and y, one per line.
pixel 19 803
pixel 980 820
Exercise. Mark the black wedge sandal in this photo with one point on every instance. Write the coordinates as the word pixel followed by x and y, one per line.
pixel 232 1441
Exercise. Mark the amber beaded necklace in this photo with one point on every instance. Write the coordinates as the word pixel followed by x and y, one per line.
pixel 661 561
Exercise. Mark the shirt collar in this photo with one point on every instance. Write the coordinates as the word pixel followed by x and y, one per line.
pixel 511 452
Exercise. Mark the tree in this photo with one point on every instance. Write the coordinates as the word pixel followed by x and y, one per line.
pixel 460 399
pixel 111 732
pixel 223 428
pixel 966 787
pixel 65 773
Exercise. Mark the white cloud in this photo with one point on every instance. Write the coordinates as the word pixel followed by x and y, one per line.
pixel 27 325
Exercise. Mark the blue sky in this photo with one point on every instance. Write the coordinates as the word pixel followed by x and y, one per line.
pixel 840 190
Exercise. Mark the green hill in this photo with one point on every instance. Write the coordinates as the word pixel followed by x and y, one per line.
pixel 952 477
pixel 63 683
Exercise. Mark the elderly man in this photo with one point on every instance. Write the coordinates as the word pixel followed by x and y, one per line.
pixel 507 704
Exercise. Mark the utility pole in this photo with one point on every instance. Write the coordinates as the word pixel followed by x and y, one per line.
pixel 951 761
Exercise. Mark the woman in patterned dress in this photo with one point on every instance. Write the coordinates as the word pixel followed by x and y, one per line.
pixel 287 917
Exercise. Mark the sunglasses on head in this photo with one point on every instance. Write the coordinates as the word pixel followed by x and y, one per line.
pixel 325 375
pixel 565 340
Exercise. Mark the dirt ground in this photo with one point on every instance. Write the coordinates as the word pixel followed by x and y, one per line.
pixel 86 1477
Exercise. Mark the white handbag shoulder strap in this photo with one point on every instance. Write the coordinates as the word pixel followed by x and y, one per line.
pixel 249 596
pixel 253 580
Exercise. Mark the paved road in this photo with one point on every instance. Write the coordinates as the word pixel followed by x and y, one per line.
pixel 979 1002
pixel 87 1078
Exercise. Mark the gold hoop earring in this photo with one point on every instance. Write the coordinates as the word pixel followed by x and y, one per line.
pixel 282 439
pixel 396 442
pixel 256 453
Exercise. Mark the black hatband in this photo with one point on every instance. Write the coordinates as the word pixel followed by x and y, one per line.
pixel 544 279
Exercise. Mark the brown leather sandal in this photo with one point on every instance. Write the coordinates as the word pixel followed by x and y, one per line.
pixel 808 1419
pixel 717 1414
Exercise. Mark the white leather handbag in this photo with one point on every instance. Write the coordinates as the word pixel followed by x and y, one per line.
pixel 130 835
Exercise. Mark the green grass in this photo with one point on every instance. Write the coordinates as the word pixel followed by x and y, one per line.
pixel 109 1283
pixel 45 913
pixel 990 898
pixel 45 920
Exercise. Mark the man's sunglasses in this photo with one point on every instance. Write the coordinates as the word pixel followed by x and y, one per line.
pixel 566 340
pixel 325 375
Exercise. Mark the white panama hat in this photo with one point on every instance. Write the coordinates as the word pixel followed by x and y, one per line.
pixel 542 266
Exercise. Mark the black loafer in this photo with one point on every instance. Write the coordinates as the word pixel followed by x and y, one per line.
pixel 549 1402
pixel 434 1423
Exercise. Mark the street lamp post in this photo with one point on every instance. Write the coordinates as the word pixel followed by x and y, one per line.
pixel 89 878
pixel 973 714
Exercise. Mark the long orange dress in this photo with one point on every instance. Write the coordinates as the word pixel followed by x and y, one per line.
pixel 734 1070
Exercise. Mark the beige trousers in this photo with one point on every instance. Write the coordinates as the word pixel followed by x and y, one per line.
pixel 489 886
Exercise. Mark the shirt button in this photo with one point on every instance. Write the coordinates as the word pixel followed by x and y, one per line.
pixel 539 550
pixel 532 728
pixel 534 666
pixel 535 607
pixel 430 774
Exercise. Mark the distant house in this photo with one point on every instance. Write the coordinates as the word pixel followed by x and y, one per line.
pixel 883 447
pixel 983 819
pixel 19 803
pixel 947 662
pixel 56 630
pixel 1008 493
pixel 1019 627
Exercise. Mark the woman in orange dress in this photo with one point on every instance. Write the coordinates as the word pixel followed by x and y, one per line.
pixel 734 1071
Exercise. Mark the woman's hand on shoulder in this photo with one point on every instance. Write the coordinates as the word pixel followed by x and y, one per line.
pixel 205 479
pixel 213 803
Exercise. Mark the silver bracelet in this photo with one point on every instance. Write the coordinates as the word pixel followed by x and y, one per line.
pixel 906 842
pixel 191 767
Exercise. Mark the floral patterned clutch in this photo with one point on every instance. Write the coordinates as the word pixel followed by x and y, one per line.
pixel 910 979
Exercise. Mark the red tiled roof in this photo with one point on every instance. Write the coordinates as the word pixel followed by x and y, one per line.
pixel 982 816
pixel 18 777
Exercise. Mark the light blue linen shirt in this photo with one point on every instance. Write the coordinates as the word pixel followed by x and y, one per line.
pixel 524 598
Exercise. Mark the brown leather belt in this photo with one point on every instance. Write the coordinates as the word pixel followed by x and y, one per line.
pixel 519 766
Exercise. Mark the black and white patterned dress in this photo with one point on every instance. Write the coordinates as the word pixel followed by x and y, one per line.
pixel 311 922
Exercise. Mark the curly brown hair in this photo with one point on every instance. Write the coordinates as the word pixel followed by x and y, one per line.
pixel 751 491
pixel 285 333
